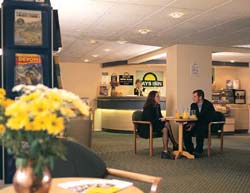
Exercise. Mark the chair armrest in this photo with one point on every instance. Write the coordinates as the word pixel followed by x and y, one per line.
pixel 217 122
pixel 142 122
pixel 214 123
pixel 153 180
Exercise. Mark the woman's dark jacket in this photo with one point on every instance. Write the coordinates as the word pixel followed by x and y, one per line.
pixel 153 114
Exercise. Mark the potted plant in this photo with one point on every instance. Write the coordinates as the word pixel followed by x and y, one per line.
pixel 30 127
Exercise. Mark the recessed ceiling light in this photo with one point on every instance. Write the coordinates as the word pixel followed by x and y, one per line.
pixel 122 41
pixel 242 46
pixel 176 15
pixel 144 31
pixel 107 50
pixel 93 41
pixel 95 55
pixel 86 60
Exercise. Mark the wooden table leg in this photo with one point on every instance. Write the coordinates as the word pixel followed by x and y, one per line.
pixel 187 155
pixel 180 151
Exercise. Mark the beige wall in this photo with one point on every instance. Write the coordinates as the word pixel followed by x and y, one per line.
pixel 84 78
pixel 222 74
pixel 180 77
pixel 81 78
pixel 131 69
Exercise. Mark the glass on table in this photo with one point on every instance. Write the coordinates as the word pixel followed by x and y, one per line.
pixel 177 114
pixel 193 114
pixel 185 114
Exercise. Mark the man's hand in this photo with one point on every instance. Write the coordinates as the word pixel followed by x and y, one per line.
pixel 189 127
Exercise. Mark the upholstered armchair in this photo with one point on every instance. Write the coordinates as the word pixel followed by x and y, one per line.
pixel 83 162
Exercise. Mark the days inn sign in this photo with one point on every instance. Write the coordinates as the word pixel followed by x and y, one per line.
pixel 150 80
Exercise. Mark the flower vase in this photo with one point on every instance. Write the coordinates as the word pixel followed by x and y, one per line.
pixel 25 181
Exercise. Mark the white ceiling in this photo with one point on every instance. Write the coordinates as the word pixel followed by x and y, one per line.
pixel 206 22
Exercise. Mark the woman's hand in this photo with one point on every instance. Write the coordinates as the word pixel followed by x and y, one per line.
pixel 162 119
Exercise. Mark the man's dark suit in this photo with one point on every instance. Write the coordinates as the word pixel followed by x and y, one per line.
pixel 200 128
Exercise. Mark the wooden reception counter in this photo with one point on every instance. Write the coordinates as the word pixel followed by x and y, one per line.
pixel 115 113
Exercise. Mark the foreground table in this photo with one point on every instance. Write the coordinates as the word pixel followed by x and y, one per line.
pixel 55 189
pixel 180 151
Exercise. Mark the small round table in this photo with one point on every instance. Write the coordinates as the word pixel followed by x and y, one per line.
pixel 55 189
pixel 180 122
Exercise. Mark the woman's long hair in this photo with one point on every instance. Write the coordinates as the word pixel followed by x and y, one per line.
pixel 151 99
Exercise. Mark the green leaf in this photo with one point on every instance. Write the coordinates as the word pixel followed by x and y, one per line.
pixel 21 162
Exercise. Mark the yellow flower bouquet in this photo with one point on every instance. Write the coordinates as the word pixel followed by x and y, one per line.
pixel 30 124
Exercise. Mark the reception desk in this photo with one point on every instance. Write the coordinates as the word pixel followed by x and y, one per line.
pixel 115 113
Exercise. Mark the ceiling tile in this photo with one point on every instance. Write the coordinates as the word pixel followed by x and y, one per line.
pixel 143 2
pixel 206 22
pixel 198 4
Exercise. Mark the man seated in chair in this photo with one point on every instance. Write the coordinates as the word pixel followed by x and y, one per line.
pixel 152 113
pixel 204 112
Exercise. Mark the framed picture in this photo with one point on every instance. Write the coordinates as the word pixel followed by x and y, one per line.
pixel 28 27
pixel 103 91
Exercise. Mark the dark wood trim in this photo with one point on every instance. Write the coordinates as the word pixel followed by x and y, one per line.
pixel 233 64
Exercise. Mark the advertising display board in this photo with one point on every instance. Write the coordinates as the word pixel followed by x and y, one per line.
pixel 27 43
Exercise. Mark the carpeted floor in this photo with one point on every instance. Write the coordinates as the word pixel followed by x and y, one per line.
pixel 222 173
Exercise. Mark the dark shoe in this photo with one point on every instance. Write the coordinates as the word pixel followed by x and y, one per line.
pixel 197 155
pixel 175 147
pixel 198 150
pixel 166 155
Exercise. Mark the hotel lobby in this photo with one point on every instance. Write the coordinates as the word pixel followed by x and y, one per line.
pixel 97 50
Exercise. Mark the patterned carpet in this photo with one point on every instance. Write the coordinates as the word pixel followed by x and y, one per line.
pixel 222 173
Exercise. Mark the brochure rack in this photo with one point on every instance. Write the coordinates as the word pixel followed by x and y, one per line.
pixel 27 43
pixel 27 53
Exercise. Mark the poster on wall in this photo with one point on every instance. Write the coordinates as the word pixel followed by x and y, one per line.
pixel 105 78
pixel 28 28
pixel 28 69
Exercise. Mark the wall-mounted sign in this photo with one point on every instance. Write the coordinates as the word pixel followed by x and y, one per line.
pixel 126 79
pixel 195 69
pixel 151 79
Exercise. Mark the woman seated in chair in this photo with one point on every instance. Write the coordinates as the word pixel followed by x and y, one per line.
pixel 152 113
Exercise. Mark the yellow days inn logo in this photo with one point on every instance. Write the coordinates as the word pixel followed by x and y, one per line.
pixel 150 80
